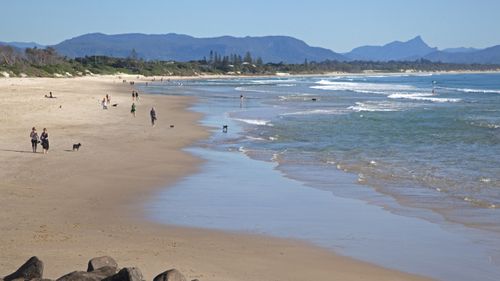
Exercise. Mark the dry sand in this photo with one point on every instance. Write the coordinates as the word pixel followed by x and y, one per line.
pixel 66 207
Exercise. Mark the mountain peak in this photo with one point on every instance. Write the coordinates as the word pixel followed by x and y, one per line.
pixel 396 50
pixel 417 38
pixel 417 41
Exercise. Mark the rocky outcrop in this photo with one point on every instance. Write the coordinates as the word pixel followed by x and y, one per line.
pixel 126 274
pixel 170 275
pixel 31 269
pixel 95 275
pixel 99 262
pixel 99 269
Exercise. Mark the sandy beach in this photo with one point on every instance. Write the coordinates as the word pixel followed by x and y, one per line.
pixel 68 206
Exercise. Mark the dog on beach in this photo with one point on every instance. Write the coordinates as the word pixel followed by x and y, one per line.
pixel 76 146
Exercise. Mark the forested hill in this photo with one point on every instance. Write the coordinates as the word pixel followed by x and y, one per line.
pixel 183 48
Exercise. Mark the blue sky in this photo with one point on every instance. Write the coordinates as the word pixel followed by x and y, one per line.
pixel 338 25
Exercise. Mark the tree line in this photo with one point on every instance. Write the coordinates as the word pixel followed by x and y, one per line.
pixel 46 62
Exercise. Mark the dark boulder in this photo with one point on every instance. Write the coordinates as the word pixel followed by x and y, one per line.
pixel 31 269
pixel 170 275
pixel 96 275
pixel 99 262
pixel 126 274
pixel 80 276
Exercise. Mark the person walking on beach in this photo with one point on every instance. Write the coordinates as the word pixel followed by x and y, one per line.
pixel 137 96
pixel 44 139
pixel 104 103
pixel 34 139
pixel 132 109
pixel 133 95
pixel 153 116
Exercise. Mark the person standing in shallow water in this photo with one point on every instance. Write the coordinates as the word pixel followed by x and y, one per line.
pixel 132 109
pixel 153 116
pixel 44 139
pixel 34 139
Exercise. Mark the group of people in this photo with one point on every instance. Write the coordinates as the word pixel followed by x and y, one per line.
pixel 135 96
pixel 152 113
pixel 43 139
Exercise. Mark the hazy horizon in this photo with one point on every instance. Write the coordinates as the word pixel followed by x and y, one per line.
pixel 320 23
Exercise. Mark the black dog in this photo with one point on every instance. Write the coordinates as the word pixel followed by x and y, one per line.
pixel 76 146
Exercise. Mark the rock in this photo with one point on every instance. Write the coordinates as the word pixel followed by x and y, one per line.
pixel 80 276
pixel 126 274
pixel 99 262
pixel 170 275
pixel 31 269
pixel 95 275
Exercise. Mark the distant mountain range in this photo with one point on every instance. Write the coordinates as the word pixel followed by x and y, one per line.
pixel 22 45
pixel 275 49
pixel 416 48
pixel 461 50
pixel 409 50
pixel 185 48
pixel 485 56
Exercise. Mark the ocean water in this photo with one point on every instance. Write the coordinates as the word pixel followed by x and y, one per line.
pixel 418 146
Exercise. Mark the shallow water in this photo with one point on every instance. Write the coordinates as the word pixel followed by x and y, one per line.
pixel 432 156
pixel 239 194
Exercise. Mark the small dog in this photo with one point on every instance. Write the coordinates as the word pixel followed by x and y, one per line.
pixel 76 146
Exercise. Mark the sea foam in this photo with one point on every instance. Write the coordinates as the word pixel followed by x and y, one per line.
pixel 468 90
pixel 255 122
pixel 421 97
pixel 375 88
pixel 374 107
pixel 316 111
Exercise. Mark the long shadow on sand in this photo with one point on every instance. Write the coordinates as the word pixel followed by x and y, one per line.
pixel 18 151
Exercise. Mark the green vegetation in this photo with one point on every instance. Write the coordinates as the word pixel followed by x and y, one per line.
pixel 47 63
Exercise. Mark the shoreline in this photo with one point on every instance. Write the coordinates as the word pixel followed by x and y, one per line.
pixel 68 206
pixel 148 79
pixel 190 216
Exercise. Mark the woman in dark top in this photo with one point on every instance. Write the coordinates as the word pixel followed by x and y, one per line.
pixel 44 138
pixel 34 139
